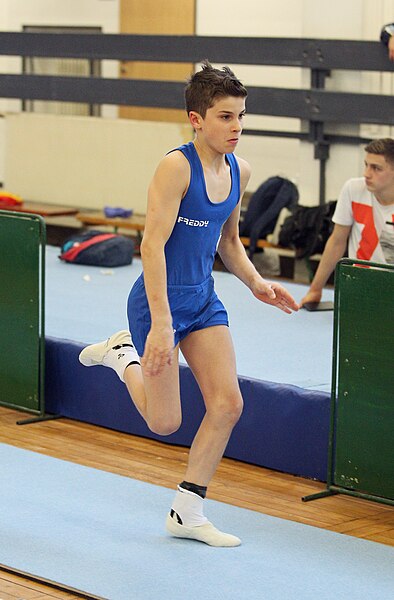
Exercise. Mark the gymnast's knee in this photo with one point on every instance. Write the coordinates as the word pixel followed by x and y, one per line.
pixel 227 410
pixel 164 426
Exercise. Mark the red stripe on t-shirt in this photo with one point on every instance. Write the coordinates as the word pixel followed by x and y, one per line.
pixel 363 214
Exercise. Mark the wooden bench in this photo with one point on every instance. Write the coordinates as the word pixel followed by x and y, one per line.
pixel 136 222
pixel 44 210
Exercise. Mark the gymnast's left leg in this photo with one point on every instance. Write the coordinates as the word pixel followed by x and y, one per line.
pixel 210 355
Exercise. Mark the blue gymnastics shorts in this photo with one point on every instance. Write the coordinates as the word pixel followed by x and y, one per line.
pixel 193 307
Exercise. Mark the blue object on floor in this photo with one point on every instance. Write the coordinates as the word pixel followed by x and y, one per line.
pixel 104 534
pixel 122 213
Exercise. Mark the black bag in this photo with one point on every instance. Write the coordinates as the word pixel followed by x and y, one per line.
pixel 98 249
pixel 264 207
pixel 308 229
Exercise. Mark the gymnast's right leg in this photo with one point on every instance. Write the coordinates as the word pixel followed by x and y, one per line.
pixel 163 411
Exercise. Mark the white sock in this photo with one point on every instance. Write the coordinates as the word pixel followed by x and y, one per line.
pixel 120 358
pixel 188 507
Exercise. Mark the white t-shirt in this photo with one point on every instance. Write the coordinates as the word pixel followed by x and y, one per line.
pixel 372 234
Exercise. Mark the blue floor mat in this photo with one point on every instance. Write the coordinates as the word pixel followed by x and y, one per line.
pixel 104 534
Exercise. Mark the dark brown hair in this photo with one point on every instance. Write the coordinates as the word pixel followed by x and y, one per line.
pixel 384 147
pixel 207 85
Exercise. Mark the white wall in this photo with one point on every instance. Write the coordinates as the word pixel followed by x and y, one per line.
pixel 86 162
pixel 14 14
pixel 55 12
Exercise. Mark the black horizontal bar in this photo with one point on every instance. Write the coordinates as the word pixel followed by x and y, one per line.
pixel 296 135
pixel 292 52
pixel 93 90
pixel 346 139
pixel 321 105
pixel 311 105
pixel 305 137
pixel 351 108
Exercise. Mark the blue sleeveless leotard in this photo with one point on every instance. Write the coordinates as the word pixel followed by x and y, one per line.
pixel 190 250
pixel 190 254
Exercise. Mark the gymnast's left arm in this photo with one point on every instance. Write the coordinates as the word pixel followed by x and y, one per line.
pixel 235 259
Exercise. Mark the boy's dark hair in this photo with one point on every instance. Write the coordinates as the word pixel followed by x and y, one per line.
pixel 206 86
pixel 384 147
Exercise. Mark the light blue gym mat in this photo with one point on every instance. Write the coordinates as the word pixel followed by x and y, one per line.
pixel 104 534
pixel 87 304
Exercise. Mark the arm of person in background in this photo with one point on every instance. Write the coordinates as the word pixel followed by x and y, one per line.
pixel 333 252
pixel 387 38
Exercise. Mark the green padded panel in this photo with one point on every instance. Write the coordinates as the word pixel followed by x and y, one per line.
pixel 364 422
pixel 22 259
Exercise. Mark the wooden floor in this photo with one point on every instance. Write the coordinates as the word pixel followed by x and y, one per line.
pixel 236 483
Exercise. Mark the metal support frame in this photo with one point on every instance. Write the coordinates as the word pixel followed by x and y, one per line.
pixel 317 137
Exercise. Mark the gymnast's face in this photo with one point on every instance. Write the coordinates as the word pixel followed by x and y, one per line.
pixel 222 125
pixel 379 175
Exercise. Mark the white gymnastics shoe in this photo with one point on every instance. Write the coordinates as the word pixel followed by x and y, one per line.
pixel 206 533
pixel 95 353
pixel 117 352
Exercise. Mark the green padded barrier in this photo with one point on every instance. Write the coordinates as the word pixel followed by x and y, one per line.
pixel 361 461
pixel 22 341
pixel 364 456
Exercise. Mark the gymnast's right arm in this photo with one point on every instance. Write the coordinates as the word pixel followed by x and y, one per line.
pixel 164 197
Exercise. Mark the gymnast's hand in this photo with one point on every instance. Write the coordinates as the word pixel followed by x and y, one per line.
pixel 275 294
pixel 159 349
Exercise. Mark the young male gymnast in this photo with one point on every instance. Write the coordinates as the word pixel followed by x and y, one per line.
pixel 193 211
